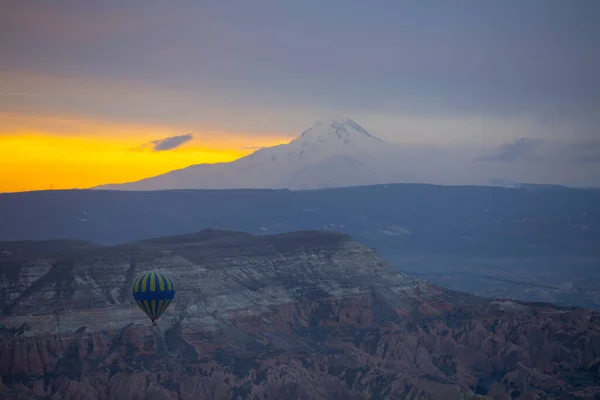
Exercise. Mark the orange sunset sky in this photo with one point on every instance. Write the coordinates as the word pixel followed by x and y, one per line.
pixel 34 157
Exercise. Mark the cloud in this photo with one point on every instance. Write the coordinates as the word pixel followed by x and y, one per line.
pixel 171 143
pixel 232 56
pixel 583 153
pixel 523 148
pixel 589 158
pixel 548 151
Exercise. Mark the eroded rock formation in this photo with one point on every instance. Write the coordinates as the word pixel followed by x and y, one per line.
pixel 307 315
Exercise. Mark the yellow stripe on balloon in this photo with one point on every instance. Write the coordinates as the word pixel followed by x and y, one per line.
pixel 152 282
pixel 143 307
pixel 165 305
pixel 136 285
pixel 153 308
pixel 169 283
pixel 161 282
pixel 144 281
pixel 160 307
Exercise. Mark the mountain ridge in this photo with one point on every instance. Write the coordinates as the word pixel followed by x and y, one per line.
pixel 330 153
pixel 339 153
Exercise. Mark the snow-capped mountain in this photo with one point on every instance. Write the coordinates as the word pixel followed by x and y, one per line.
pixel 333 153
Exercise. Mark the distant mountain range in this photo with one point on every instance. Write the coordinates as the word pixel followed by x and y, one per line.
pixel 341 153
pixel 333 153
pixel 407 218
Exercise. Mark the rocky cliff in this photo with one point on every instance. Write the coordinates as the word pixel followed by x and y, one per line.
pixel 306 315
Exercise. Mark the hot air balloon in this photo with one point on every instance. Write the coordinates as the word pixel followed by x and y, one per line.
pixel 153 293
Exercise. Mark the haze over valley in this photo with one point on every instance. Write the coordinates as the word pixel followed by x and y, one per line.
pixel 492 241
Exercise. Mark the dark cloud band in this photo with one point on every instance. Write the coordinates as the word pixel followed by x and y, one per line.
pixel 171 143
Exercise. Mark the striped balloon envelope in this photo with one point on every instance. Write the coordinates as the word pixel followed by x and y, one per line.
pixel 153 293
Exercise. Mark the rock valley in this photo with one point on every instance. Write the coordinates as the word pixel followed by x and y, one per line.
pixel 303 315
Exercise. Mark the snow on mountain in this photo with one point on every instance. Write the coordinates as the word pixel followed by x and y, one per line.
pixel 323 139
pixel 335 137
pixel 332 153
pixel 506 183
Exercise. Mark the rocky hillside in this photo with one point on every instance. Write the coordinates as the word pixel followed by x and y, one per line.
pixel 305 315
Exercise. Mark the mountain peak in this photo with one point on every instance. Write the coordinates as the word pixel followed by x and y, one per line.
pixel 331 153
pixel 336 128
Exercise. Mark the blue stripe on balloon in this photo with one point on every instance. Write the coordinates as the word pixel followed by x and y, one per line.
pixel 167 294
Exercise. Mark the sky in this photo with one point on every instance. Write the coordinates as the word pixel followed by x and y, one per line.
pixel 108 92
